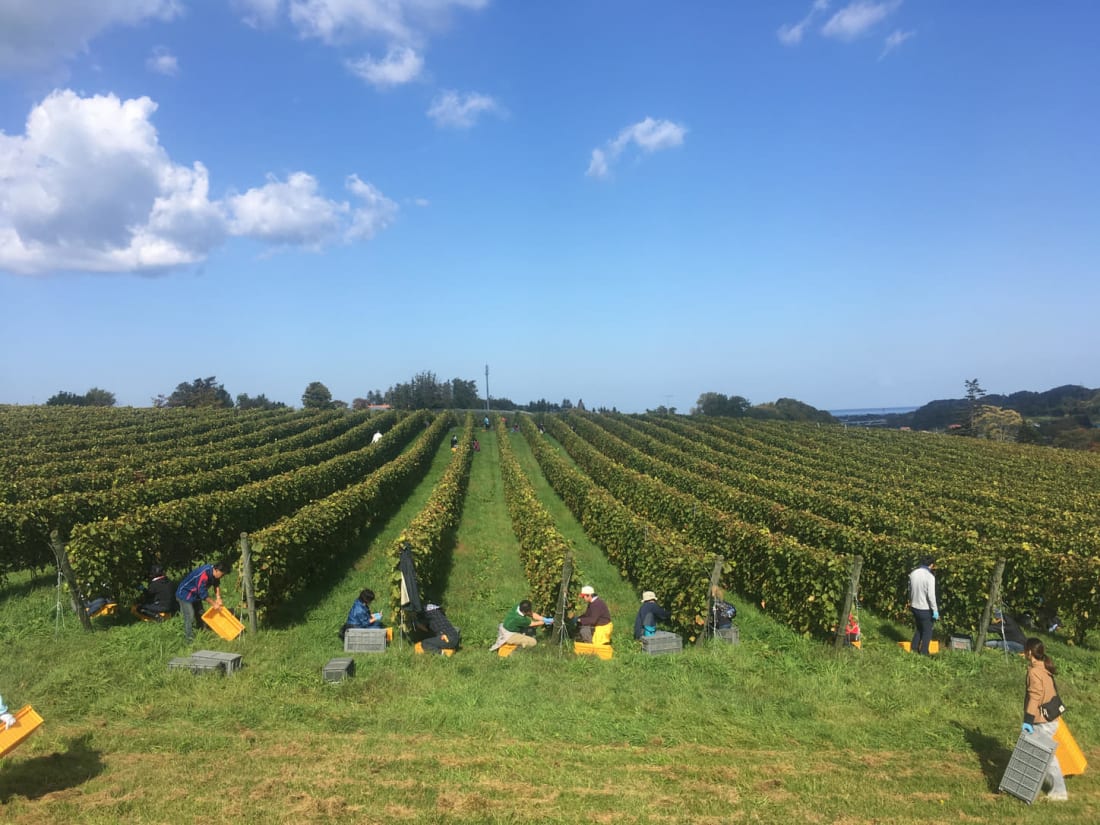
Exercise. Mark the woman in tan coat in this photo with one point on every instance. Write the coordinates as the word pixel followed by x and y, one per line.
pixel 1040 689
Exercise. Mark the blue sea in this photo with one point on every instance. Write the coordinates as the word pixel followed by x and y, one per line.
pixel 862 411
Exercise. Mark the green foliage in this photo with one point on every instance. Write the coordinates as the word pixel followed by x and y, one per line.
pixel 94 397
pixel 316 396
pixel 202 392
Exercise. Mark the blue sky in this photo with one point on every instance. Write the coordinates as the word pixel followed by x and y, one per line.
pixel 856 204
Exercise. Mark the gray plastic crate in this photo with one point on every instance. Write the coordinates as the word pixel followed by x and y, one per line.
pixel 661 643
pixel 336 670
pixel 729 635
pixel 962 643
pixel 365 640
pixel 197 665
pixel 1028 766
pixel 231 661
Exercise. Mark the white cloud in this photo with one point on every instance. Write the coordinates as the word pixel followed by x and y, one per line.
pixel 259 13
pixel 895 39
pixel 400 65
pixel 460 111
pixel 400 21
pixel 285 212
pixel 857 18
pixel 163 62
pixel 648 135
pixel 376 213
pixel 790 34
pixel 88 187
pixel 36 34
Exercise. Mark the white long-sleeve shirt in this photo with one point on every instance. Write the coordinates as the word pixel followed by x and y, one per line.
pixel 922 590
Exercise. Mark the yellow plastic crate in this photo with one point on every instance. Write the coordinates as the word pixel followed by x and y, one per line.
pixel 222 621
pixel 933 646
pixel 505 651
pixel 585 649
pixel 1070 757
pixel 27 722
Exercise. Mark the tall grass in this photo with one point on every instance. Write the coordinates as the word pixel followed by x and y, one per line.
pixel 777 729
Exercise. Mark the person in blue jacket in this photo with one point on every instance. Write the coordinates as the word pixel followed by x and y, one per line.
pixel 360 614
pixel 195 589
pixel 645 623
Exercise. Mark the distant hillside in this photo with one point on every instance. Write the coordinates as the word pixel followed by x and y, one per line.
pixel 1069 400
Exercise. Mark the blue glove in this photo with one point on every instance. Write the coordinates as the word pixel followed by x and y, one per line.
pixel 547 619
pixel 935 615
pixel 1027 728
pixel 376 616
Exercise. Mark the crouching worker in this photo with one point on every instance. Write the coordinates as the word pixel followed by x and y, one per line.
pixel 195 589
pixel 518 627
pixel 1004 633
pixel 645 623
pixel 360 614
pixel 158 599
pixel 596 614
pixel 442 635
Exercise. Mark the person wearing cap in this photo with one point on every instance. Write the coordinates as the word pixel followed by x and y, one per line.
pixel 645 623
pixel 595 614
pixel 159 596
pixel 444 635
pixel 360 614
pixel 922 603
pixel 518 627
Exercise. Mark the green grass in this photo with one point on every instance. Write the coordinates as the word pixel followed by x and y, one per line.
pixel 777 729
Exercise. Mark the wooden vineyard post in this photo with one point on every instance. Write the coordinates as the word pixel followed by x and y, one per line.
pixel 712 588
pixel 560 629
pixel 246 579
pixel 994 598
pixel 67 571
pixel 849 599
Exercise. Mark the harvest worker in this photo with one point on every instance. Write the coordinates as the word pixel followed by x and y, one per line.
pixel 376 437
pixel 360 614
pixel 194 590
pixel 518 627
pixel 595 614
pixel 1039 690
pixel 158 597
pixel 645 623
pixel 444 635
pixel 1005 634
pixel 922 602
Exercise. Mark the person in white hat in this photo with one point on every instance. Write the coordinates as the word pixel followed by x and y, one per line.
pixel 645 623
pixel 595 614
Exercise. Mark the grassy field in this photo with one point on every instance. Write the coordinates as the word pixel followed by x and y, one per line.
pixel 777 729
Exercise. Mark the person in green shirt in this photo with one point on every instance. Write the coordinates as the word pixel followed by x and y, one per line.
pixel 518 627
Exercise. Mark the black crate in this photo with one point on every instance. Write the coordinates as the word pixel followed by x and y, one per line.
pixel 336 670
pixel 661 643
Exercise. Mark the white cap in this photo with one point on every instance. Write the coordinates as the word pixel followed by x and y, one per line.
pixel 649 596
pixel 588 590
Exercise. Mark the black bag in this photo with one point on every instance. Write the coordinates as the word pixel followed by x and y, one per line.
pixel 1054 708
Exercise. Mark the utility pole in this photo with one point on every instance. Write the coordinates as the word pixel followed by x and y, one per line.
pixel 486 389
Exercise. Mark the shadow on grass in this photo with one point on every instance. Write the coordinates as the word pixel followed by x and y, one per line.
pixel 34 778
pixel 993 756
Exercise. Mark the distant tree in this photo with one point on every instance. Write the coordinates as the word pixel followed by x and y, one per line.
pixel 997 424
pixel 464 395
pixel 718 404
pixel 260 402
pixel 974 396
pixel 66 399
pixel 662 410
pixel 95 397
pixel 202 392
pixel 566 404
pixel 317 397
pixel 359 403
